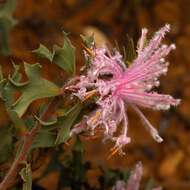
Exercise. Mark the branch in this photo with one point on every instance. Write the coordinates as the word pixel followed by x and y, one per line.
pixel 28 140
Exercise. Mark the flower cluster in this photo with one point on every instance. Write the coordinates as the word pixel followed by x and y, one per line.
pixel 118 87
pixel 133 182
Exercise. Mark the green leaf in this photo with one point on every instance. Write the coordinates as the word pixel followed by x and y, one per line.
pixel 36 88
pixel 44 140
pixel 74 169
pixel 6 145
pixel 54 164
pixel 7 94
pixel 65 56
pixel 8 91
pixel 130 52
pixel 7 9
pixel 26 175
pixel 66 123
pixel 71 168
pixel 149 185
pixel 88 40
pixel 111 176
pixel 64 112
pixel 6 23
pixel 2 85
pixel 78 146
pixel 16 75
pixel 19 123
pixel 43 52
pixel 29 122
pixel 42 109
pixel 51 121
pixel 1 73
pixel 48 128
pixel 125 174
pixel 17 83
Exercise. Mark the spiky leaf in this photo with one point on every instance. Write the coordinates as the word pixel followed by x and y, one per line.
pixel 65 56
pixel 8 91
pixel 44 52
pixel 36 88
pixel 51 121
pixel 7 21
pixel 44 140
pixel 19 123
pixel 65 123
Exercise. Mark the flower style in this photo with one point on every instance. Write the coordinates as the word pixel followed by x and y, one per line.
pixel 125 86
pixel 133 182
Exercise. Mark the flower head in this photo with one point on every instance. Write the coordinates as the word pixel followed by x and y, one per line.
pixel 133 182
pixel 125 86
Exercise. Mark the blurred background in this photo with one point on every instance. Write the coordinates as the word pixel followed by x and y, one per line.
pixel 42 21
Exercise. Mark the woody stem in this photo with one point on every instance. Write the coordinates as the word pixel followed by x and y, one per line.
pixel 28 140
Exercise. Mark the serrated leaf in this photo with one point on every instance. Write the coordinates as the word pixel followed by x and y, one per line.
pixel 44 52
pixel 48 128
pixel 18 84
pixel 26 175
pixel 19 123
pixel 66 123
pixel 8 91
pixel 88 40
pixel 51 121
pixel 16 77
pixel 7 94
pixel 44 140
pixel 6 23
pixel 64 56
pixel 36 88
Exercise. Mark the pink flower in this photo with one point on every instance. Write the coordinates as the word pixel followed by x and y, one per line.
pixel 133 182
pixel 119 87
